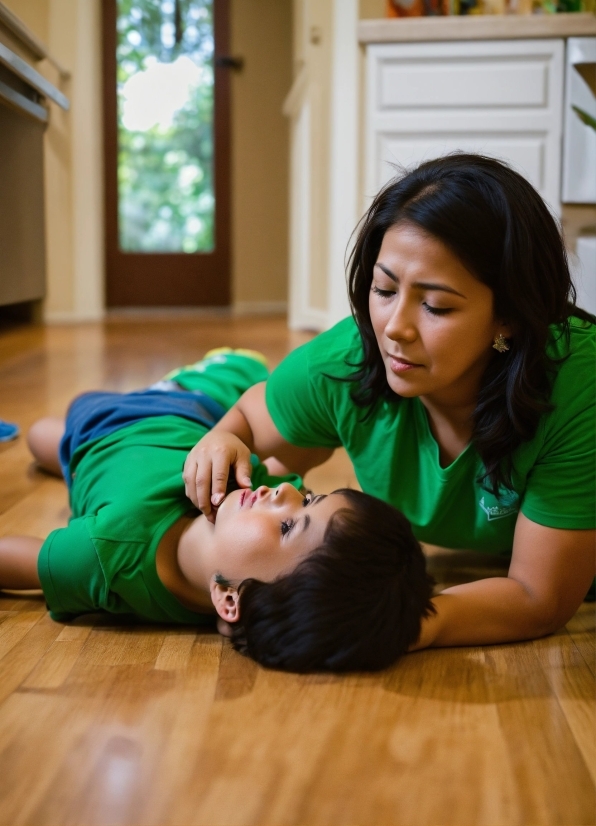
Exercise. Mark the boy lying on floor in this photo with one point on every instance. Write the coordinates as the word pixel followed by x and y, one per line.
pixel 307 583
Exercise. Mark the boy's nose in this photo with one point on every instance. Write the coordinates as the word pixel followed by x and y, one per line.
pixel 279 495
pixel 281 492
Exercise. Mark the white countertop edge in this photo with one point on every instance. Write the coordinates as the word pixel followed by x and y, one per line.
pixel 476 27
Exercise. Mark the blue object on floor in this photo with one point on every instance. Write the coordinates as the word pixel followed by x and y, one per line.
pixel 8 431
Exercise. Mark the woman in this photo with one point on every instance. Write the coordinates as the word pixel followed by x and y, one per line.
pixel 462 389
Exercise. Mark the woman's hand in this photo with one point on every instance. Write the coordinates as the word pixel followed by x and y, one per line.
pixel 207 468
pixel 246 428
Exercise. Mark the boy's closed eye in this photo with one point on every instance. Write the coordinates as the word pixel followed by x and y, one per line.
pixel 288 525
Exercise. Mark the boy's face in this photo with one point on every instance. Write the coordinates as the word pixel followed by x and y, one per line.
pixel 265 533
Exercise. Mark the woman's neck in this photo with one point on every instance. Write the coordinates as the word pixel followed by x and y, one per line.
pixel 194 595
pixel 452 427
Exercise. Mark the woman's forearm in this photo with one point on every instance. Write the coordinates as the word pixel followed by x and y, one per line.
pixel 235 422
pixel 495 610
pixel 550 572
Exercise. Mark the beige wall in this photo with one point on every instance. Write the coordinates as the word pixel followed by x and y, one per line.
pixel 372 8
pixel 322 108
pixel 318 56
pixel 261 33
pixel 33 13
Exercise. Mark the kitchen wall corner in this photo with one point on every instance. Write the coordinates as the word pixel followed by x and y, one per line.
pixel 74 168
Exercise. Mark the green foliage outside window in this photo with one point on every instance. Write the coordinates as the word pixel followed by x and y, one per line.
pixel 165 171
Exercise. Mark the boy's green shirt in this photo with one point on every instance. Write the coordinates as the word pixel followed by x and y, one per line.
pixel 126 493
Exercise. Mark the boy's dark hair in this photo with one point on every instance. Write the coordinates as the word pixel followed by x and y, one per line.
pixel 356 603
pixel 499 227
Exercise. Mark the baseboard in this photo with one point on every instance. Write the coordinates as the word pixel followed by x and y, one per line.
pixel 240 308
pixel 243 308
pixel 310 319
pixel 157 313
pixel 50 317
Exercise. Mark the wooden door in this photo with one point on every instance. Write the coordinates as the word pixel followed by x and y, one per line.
pixel 167 152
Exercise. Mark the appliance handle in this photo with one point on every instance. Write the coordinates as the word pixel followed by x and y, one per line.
pixel 22 104
pixel 26 73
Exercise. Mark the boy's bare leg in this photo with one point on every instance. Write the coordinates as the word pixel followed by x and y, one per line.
pixel 18 562
pixel 43 439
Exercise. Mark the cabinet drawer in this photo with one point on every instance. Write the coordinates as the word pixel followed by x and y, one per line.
pixel 493 74
pixel 463 82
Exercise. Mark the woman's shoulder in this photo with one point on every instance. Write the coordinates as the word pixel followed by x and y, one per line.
pixel 573 395
pixel 336 344
pixel 308 394
pixel 576 339
pixel 573 351
pixel 331 353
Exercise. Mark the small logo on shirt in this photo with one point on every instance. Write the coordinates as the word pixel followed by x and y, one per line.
pixel 508 504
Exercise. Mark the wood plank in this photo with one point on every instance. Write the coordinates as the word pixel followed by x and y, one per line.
pixel 175 651
pixel 13 627
pixel 114 646
pixel 581 628
pixel 22 657
pixel 134 738
pixel 573 685
pixel 544 754
pixel 237 675
pixel 38 512
pixel 56 664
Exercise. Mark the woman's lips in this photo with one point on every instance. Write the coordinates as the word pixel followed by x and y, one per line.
pixel 399 365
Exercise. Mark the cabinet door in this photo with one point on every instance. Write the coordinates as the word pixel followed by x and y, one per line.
pixel 499 98
pixel 579 146
pixel 22 233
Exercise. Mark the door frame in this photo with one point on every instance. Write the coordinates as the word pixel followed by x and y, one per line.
pixel 165 278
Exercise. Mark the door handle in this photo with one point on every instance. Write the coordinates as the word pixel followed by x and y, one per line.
pixel 227 61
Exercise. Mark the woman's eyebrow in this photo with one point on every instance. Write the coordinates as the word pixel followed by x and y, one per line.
pixel 386 271
pixel 421 285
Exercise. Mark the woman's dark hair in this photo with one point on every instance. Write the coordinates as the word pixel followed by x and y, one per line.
pixel 355 604
pixel 499 227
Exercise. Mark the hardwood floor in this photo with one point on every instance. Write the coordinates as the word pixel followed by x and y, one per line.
pixel 102 723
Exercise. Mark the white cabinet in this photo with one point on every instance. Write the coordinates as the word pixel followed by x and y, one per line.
pixel 500 98
pixel 579 150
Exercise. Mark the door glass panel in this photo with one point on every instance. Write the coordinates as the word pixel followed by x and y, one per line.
pixel 164 54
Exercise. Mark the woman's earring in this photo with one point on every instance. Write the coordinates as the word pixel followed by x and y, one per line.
pixel 500 343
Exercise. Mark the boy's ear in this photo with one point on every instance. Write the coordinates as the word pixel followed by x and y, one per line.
pixel 226 600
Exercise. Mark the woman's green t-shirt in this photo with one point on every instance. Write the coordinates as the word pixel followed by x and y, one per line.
pixel 396 457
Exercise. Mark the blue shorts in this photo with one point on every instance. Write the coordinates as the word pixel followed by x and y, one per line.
pixel 97 414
